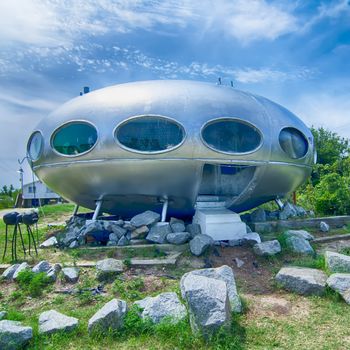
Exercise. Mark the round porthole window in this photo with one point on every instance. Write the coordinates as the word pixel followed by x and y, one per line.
pixel 231 136
pixel 150 134
pixel 35 146
pixel 293 142
pixel 74 138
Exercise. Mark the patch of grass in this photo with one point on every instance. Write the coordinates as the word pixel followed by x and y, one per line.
pixel 317 262
pixel 129 290
pixel 32 283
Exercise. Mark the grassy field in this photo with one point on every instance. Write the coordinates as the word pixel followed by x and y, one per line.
pixel 272 318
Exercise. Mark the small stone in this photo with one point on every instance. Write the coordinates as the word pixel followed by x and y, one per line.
pixel 42 266
pixel 200 243
pixel 158 233
pixel 52 321
pixel 139 233
pixel 112 243
pixel 53 272
pixel 245 239
pixel 324 227
pixel 258 215
pixel 13 335
pixel 304 281
pixel 49 243
pixel 336 262
pixel 193 229
pixel 177 225
pixel 145 219
pixel 163 306
pixel 3 314
pixel 22 267
pixel 9 272
pixel 299 245
pixel 123 241
pixel 223 273
pixel 109 317
pixel 108 268
pixel 267 248
pixel 71 274
pixel 178 237
pixel 208 304
pixel 299 233
pixel 239 262
pixel 340 282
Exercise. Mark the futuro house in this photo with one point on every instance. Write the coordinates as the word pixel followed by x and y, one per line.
pixel 132 147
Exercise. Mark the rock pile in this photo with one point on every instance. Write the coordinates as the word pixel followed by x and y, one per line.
pixel 298 241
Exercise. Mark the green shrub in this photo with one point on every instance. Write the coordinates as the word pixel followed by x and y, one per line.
pixel 32 283
pixel 129 290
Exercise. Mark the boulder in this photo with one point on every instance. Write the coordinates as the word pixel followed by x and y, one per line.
pixel 53 321
pixel 300 211
pixel 22 267
pixel 9 272
pixel 108 225
pixel 140 232
pixel 245 239
pixel 267 248
pixel 336 262
pixel 299 245
pixel 13 335
pixel 177 225
pixel 53 272
pixel 301 280
pixel 119 231
pixel 42 266
pixel 71 274
pixel 123 241
pixel 208 304
pixel 49 243
pixel 258 215
pixel 128 226
pixel 200 243
pixel 288 211
pixel 108 268
pixel 340 282
pixel 324 227
pixel 178 237
pixel 109 317
pixel 299 233
pixel 223 273
pixel 193 229
pixel 69 238
pixel 74 245
pixel 158 233
pixel 145 219
pixel 163 306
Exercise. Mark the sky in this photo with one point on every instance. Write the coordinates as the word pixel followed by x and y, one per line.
pixel 296 53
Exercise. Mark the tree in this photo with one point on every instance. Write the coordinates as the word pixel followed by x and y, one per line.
pixel 329 145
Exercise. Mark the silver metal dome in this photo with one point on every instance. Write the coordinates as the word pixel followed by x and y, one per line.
pixel 131 145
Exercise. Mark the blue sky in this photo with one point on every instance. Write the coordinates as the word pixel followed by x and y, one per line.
pixel 296 53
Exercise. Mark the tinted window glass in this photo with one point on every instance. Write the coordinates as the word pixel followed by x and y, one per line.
pixel 150 134
pixel 293 142
pixel 231 136
pixel 74 138
pixel 35 146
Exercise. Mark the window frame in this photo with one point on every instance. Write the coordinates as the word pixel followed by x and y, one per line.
pixel 141 116
pixel 74 121
pixel 309 145
pixel 41 146
pixel 234 119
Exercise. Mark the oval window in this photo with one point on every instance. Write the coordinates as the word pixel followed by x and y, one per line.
pixel 293 142
pixel 74 138
pixel 231 136
pixel 150 134
pixel 35 146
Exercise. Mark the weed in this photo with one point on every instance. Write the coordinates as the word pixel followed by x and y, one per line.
pixel 129 290
pixel 32 283
pixel 127 263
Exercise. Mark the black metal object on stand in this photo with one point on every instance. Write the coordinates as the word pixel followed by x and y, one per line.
pixel 30 220
pixel 13 219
